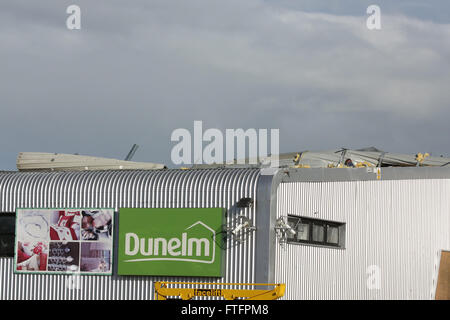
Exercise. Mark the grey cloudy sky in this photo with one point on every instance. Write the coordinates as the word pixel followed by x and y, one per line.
pixel 137 70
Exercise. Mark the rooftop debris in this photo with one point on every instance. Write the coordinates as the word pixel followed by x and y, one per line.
pixel 340 158
pixel 38 161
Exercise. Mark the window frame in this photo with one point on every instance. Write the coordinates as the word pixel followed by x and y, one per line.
pixel 325 224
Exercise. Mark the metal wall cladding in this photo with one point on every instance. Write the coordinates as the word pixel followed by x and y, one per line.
pixel 394 233
pixel 118 189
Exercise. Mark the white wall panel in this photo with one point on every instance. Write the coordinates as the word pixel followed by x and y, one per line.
pixel 398 226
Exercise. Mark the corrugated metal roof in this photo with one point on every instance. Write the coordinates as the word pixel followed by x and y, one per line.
pixel 116 188
pixel 127 188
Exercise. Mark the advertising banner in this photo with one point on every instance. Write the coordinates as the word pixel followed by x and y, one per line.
pixel 64 241
pixel 170 242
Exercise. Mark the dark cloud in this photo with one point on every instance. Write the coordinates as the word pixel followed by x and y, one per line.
pixel 137 71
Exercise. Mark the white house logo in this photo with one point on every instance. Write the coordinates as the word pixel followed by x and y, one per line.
pixel 183 248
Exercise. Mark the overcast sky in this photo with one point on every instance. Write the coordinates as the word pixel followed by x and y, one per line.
pixel 137 70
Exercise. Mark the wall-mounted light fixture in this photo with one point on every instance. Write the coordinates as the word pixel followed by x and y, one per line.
pixel 241 227
pixel 284 230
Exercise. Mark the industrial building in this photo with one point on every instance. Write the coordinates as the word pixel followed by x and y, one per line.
pixel 369 232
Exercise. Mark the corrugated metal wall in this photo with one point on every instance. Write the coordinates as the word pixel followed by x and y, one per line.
pixel 394 229
pixel 116 189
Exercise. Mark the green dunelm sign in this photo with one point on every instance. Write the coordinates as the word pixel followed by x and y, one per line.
pixel 170 242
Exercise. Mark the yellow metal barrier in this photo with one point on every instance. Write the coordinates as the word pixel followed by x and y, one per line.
pixel 162 291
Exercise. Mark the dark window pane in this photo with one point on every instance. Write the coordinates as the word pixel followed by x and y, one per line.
pixel 333 235
pixel 6 245
pixel 7 224
pixel 318 233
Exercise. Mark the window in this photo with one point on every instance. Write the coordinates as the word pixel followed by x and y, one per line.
pixel 317 232
pixel 7 232
pixel 303 231
pixel 332 234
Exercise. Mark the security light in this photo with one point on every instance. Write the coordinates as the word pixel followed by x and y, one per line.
pixel 283 229
pixel 291 231
pixel 281 224
pixel 242 226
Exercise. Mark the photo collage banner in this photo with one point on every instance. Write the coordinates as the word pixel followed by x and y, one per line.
pixel 78 241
